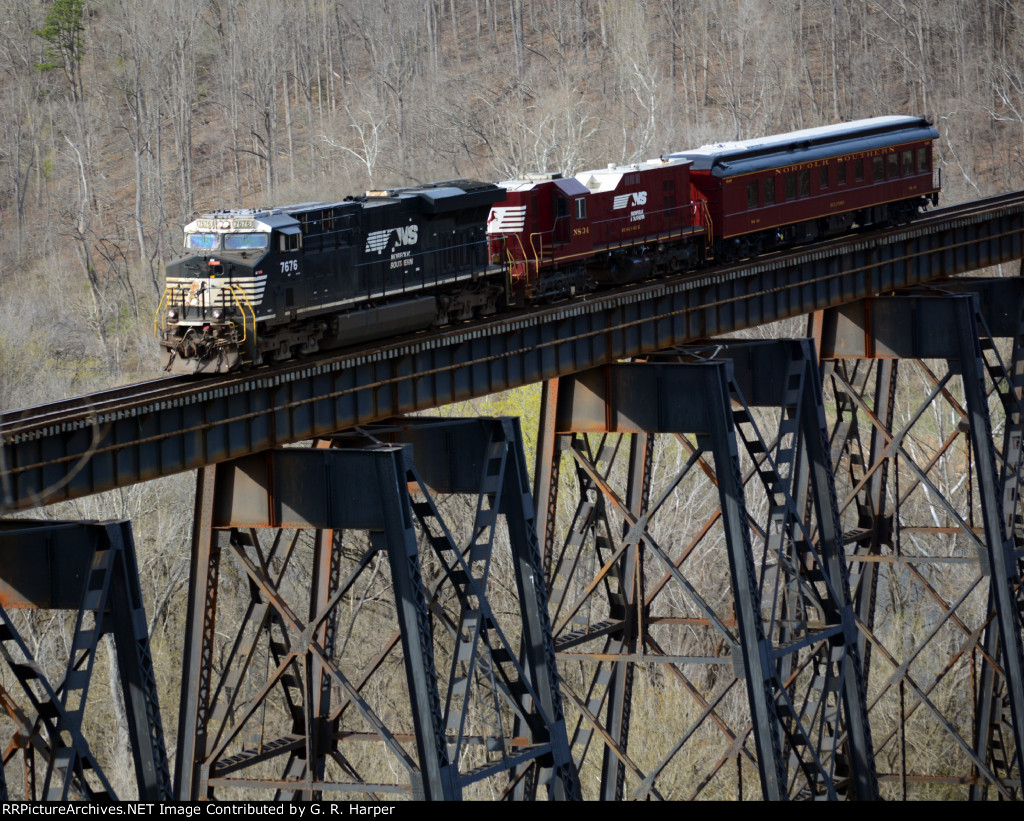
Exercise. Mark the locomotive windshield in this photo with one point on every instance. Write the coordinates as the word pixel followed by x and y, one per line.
pixel 246 242
pixel 200 242
pixel 232 242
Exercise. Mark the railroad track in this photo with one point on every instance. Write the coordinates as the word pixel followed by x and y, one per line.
pixel 103 404
pixel 101 401
pixel 373 381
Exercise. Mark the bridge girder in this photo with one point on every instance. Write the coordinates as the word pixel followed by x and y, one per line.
pixel 95 448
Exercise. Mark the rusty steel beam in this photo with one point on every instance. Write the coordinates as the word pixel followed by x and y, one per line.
pixel 888 483
pixel 87 568
pixel 451 457
pixel 298 489
pixel 772 649
pixel 269 516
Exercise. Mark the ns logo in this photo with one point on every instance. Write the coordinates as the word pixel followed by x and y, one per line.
pixel 626 200
pixel 377 241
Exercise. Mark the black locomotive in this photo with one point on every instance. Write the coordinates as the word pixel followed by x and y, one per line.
pixel 261 285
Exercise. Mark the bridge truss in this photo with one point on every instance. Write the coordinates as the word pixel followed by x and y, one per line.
pixel 764 568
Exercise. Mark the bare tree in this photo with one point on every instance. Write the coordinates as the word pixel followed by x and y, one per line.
pixel 370 136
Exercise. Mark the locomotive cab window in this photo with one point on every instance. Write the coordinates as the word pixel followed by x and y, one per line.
pixel 246 242
pixel 291 242
pixel 201 242
pixel 581 208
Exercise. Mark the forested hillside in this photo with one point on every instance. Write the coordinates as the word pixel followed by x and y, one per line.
pixel 123 118
pixel 120 120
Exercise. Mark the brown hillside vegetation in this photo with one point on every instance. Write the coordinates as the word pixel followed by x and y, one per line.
pixel 120 120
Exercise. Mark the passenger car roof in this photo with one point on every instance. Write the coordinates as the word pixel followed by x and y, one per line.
pixel 729 158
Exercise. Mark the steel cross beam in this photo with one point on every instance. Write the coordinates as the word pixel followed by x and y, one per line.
pixel 484 710
pixel 245 731
pixel 931 512
pixel 89 569
pixel 450 458
pixel 637 600
pixel 100 442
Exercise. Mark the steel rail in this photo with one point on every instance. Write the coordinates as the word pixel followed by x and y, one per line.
pixel 107 400
pixel 376 381
pixel 142 394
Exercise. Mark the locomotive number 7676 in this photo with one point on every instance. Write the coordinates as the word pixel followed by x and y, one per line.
pixel 289 266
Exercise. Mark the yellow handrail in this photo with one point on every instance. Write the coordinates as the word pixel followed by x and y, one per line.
pixel 242 304
pixel 240 297
pixel 159 326
pixel 526 256
pixel 708 225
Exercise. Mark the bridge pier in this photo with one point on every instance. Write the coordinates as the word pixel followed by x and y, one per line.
pixel 300 559
pixel 762 663
pixel 936 560
pixel 930 509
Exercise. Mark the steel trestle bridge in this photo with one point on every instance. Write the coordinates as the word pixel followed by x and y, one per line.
pixel 785 678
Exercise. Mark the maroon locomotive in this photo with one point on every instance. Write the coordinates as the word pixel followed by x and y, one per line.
pixel 616 224
pixel 720 202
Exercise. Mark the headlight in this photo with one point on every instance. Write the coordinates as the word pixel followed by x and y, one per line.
pixel 218 314
pixel 172 314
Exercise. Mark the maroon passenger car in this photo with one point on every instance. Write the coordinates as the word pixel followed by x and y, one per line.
pixel 818 182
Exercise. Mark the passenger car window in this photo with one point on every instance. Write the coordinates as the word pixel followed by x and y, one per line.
pixel 752 194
